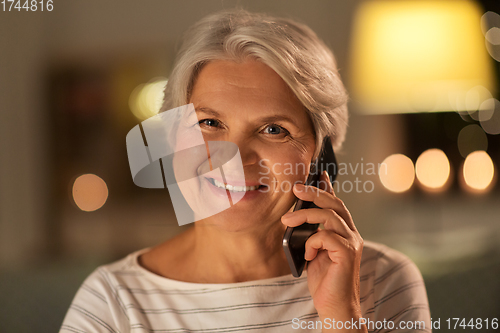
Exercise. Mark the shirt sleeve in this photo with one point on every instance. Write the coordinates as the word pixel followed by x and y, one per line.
pixel 400 298
pixel 96 307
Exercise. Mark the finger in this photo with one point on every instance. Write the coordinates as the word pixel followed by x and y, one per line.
pixel 319 196
pixel 325 183
pixel 328 217
pixel 324 240
pixel 324 199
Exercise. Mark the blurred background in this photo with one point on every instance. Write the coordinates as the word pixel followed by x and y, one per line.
pixel 418 170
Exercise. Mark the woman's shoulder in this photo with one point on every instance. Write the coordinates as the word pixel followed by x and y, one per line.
pixel 373 251
pixel 141 266
pixel 115 274
pixel 391 285
pixel 378 257
pixel 140 270
pixel 382 265
pixel 98 305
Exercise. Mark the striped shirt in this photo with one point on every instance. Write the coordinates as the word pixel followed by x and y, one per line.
pixel 125 297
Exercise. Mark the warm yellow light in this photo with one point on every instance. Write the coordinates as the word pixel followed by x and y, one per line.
pixel 478 171
pixel 146 99
pixel 432 169
pixel 89 192
pixel 424 55
pixel 397 173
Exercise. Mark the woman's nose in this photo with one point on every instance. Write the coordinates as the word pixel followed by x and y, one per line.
pixel 248 148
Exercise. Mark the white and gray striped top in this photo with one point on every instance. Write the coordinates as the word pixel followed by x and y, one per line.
pixel 125 297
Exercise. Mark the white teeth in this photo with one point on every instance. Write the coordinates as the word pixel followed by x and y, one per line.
pixel 234 188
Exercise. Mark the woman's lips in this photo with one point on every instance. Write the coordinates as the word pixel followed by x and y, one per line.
pixel 233 188
pixel 241 195
pixel 236 182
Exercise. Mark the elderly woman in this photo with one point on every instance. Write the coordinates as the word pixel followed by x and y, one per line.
pixel 271 87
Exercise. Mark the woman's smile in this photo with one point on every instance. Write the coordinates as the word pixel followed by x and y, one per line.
pixel 226 191
pixel 233 187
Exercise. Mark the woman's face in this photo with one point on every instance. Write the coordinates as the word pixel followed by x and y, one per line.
pixel 249 105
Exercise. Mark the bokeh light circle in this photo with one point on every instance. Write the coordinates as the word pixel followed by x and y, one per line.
pixel 490 116
pixel 90 192
pixel 433 169
pixel 478 171
pixel 487 109
pixel 397 173
pixel 489 20
pixel 146 99
pixel 474 98
pixel 471 138
pixel 493 36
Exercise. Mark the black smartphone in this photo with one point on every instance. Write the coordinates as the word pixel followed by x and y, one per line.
pixel 294 240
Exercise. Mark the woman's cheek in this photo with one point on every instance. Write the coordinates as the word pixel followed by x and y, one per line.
pixel 290 172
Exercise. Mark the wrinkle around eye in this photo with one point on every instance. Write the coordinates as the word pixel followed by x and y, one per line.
pixel 300 143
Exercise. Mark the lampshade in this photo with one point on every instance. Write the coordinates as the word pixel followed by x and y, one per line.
pixel 415 56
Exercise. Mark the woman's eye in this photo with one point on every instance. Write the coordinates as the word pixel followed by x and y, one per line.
pixel 275 130
pixel 209 122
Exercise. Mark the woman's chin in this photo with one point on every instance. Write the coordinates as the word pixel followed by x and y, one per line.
pixel 237 219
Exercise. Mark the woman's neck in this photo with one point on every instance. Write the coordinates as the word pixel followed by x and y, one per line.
pixel 209 254
pixel 236 256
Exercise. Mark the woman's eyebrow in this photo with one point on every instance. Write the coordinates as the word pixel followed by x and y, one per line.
pixel 208 111
pixel 278 117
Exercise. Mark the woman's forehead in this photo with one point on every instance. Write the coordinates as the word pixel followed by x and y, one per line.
pixel 250 84
pixel 250 74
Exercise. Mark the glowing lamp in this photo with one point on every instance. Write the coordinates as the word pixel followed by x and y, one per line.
pixel 414 56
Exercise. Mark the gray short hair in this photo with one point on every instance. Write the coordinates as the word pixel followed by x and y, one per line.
pixel 290 48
